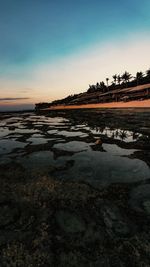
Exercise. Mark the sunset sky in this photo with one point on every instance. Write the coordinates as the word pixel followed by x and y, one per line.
pixel 52 48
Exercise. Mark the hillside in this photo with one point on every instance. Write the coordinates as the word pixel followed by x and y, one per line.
pixel 140 92
pixel 127 94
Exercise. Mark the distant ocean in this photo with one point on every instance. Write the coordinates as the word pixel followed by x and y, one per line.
pixel 5 108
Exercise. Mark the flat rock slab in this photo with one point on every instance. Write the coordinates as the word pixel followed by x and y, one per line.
pixel 116 224
pixel 70 222
pixel 140 199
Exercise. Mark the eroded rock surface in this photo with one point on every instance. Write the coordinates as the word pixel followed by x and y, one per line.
pixel 67 200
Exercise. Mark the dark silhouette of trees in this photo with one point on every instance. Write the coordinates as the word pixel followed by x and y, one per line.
pixel 107 80
pixel 139 77
pixel 91 89
pixel 97 85
pixel 119 82
pixel 148 73
pixel 115 78
pixel 103 86
pixel 41 105
pixel 126 77
pixel 119 79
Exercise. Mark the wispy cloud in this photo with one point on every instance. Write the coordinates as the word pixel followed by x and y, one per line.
pixel 26 90
pixel 14 98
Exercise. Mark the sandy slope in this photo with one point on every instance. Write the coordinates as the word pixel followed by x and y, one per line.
pixel 130 104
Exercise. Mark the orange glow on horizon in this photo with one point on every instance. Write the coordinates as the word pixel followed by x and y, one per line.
pixel 73 74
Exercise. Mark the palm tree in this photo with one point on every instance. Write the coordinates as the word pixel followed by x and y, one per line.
pixel 97 86
pixel 102 86
pixel 115 78
pixel 119 79
pixel 139 76
pixel 148 73
pixel 126 77
pixel 107 79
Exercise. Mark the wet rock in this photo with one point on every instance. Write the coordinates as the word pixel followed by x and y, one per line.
pixel 98 142
pixel 116 224
pixel 11 171
pixel 85 225
pixel 70 222
pixel 72 259
pixel 140 199
pixel 16 219
pixel 11 128
pixel 8 214
pixel 18 254
pixel 73 146
pixel 94 233
pixel 146 205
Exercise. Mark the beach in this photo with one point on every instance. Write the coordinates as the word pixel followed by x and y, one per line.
pixel 130 104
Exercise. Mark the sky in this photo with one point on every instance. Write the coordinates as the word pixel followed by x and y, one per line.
pixel 52 48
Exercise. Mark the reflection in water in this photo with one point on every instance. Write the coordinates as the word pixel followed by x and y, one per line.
pixel 103 168
pixel 7 146
pixel 74 146
pixel 4 132
pixel 116 150
pixel 41 161
pixel 27 131
pixel 38 139
pixel 140 199
pixel 123 135
pixel 37 160
pixel 52 131
pixel 72 134
pixel 110 165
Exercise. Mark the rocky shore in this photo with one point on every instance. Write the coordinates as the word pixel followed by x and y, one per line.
pixel 50 219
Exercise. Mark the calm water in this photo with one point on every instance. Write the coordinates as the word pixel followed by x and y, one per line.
pixel 68 150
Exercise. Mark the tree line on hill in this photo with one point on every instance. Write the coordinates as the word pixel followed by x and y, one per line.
pixel 65 101
pixel 119 82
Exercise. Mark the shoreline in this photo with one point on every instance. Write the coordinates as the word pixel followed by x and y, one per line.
pixel 130 104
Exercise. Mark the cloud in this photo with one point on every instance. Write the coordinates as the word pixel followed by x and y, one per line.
pixel 26 90
pixel 14 98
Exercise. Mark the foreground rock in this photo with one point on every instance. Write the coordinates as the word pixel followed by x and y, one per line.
pixel 51 223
